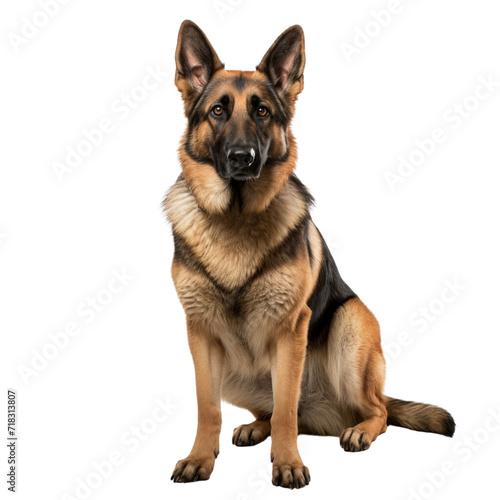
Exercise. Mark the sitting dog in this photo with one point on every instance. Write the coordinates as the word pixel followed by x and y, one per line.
pixel 271 325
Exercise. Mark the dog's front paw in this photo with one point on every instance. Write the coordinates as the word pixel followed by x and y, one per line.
pixel 353 439
pixel 193 469
pixel 291 476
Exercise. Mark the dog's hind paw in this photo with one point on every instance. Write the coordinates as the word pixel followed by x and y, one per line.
pixel 353 439
pixel 251 434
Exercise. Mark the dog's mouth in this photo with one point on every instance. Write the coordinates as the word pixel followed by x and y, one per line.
pixel 228 172
pixel 244 176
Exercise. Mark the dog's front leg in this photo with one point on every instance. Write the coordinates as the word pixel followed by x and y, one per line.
pixel 288 469
pixel 208 357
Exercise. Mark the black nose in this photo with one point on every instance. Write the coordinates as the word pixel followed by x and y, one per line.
pixel 241 157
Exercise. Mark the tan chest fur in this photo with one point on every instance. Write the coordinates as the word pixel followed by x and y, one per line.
pixel 232 246
pixel 239 300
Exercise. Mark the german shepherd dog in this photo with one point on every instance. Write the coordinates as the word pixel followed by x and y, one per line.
pixel 271 325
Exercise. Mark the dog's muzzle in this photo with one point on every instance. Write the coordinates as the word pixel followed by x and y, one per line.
pixel 242 163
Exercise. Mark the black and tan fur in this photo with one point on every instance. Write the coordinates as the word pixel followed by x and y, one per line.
pixel 272 327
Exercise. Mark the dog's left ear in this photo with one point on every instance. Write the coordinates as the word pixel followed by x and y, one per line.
pixel 284 62
pixel 196 60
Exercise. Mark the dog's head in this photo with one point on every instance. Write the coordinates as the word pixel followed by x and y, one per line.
pixel 238 121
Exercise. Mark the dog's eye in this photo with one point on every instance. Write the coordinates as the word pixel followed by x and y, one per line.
pixel 262 111
pixel 218 110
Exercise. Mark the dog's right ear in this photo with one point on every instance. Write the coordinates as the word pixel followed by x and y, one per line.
pixel 196 60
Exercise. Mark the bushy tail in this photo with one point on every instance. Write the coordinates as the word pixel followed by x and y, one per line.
pixel 419 417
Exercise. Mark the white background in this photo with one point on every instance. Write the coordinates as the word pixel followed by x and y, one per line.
pixel 61 240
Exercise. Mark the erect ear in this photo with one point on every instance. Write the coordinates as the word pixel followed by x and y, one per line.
pixel 196 60
pixel 284 62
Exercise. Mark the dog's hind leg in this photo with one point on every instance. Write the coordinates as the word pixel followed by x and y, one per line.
pixel 357 371
pixel 254 433
pixel 361 436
